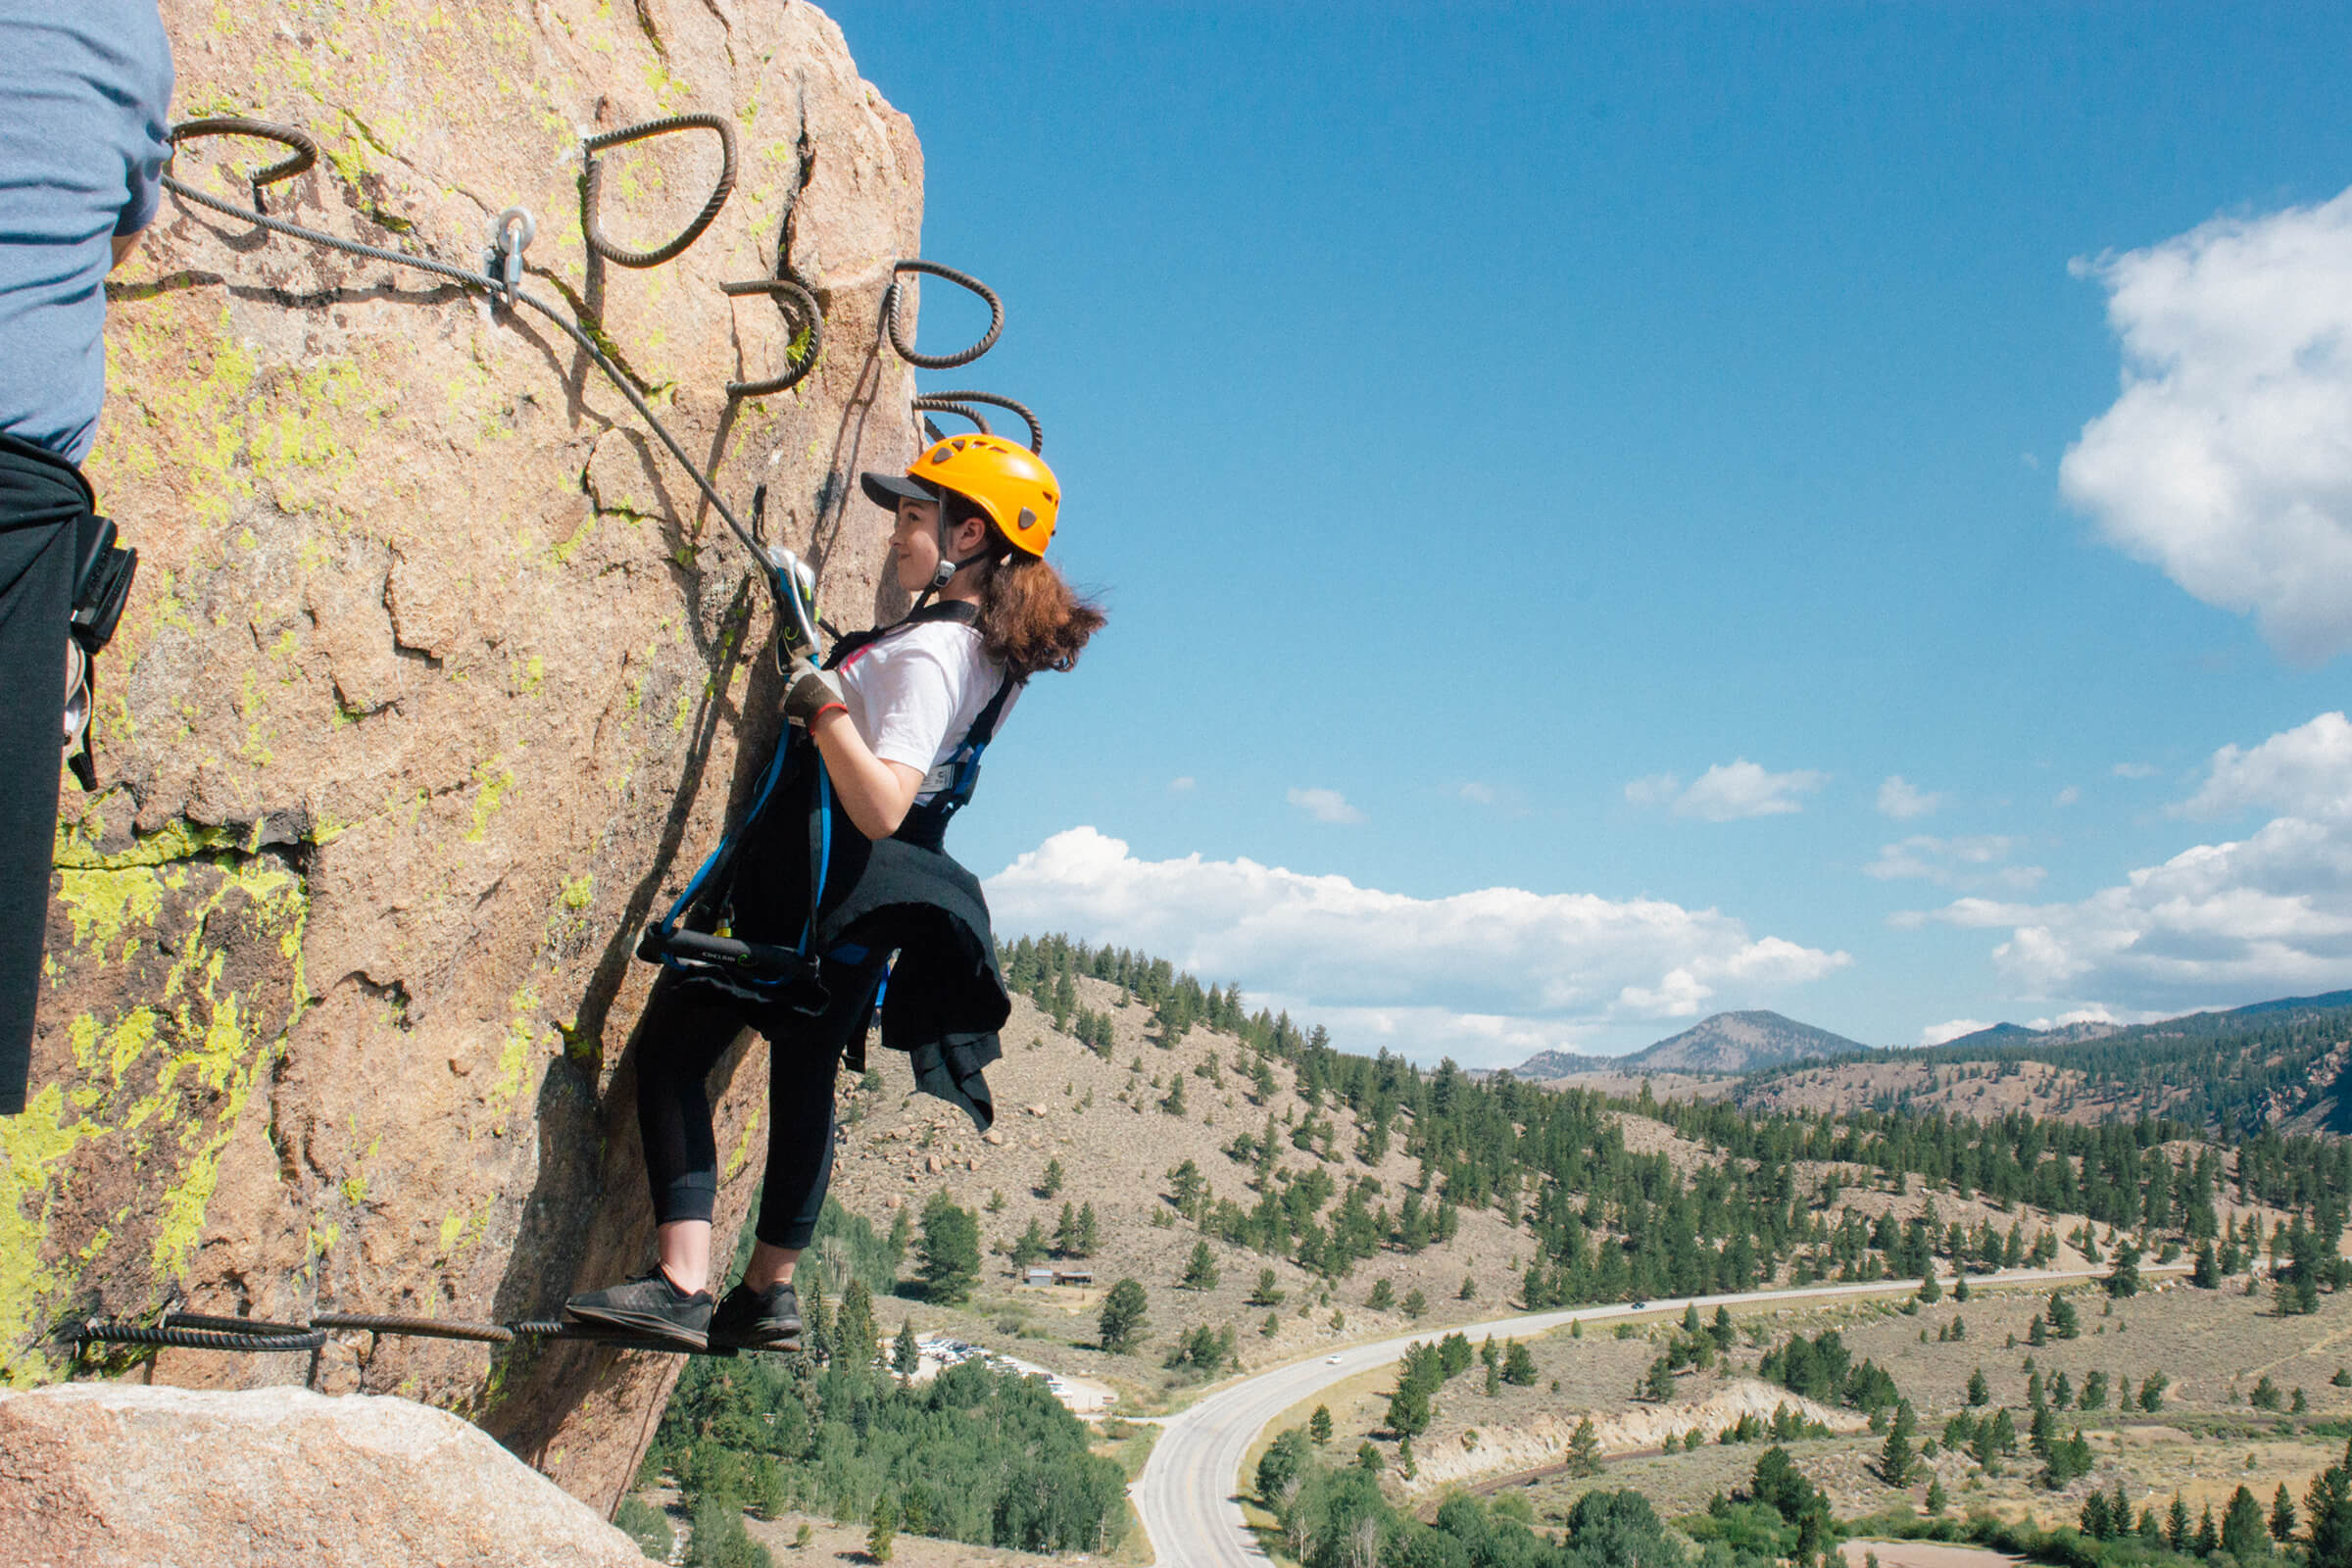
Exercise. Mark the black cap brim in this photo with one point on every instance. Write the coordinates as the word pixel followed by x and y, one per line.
pixel 887 490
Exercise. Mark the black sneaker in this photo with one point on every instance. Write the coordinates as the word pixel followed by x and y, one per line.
pixel 758 1320
pixel 649 1305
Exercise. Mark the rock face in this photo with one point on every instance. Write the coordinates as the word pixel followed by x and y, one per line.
pixel 439 678
pixel 134 1477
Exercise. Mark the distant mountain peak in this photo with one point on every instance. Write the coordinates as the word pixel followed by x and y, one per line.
pixel 1740 1042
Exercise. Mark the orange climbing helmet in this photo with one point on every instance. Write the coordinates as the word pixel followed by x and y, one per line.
pixel 1010 483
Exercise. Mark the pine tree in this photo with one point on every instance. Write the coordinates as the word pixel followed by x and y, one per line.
pixel 881 1527
pixel 1318 1425
pixel 1266 1292
pixel 2176 1525
pixel 2243 1534
pixel 854 1330
pixel 1121 1322
pixel 1518 1365
pixel 1896 1455
pixel 1583 1449
pixel 951 1249
pixel 1977 1392
pixel 1936 1497
pixel 905 1356
pixel 2283 1516
pixel 1050 1186
pixel 1200 1270
pixel 1415 1303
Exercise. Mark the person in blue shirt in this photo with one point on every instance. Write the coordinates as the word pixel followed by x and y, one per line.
pixel 86 91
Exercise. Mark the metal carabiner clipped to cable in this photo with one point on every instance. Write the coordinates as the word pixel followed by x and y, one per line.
pixel 503 260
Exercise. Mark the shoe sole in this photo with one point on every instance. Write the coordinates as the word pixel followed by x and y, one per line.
pixel 644 1325
pixel 790 1340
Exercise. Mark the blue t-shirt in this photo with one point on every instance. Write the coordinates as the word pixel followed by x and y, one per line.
pixel 85 91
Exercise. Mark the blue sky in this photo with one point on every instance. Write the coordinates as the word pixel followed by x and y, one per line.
pixel 1550 467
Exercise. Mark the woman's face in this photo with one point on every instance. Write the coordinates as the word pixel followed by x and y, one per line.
pixel 914 544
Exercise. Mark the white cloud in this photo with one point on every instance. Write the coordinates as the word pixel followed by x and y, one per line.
pixel 1903 800
pixel 1973 862
pixel 2266 916
pixel 1935 1033
pixel 2226 460
pixel 1325 805
pixel 2067 795
pixel 1728 792
pixel 2305 771
pixel 1182 785
pixel 1499 964
pixel 2133 770
pixel 1477 794
pixel 1654 788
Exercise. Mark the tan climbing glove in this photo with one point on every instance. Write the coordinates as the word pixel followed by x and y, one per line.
pixel 808 692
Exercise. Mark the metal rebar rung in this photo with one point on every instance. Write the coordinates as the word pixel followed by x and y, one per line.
pixel 777 287
pixel 620 255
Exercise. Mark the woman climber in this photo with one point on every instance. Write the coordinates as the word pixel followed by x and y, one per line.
pixel 840 867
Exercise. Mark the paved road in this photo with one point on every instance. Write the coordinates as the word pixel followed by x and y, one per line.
pixel 1186 1493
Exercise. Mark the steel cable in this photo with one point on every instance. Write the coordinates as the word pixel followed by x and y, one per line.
pixel 593 185
pixel 498 290
pixel 430 1327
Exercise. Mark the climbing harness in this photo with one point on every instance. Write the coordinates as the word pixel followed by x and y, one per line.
pixel 793 976
pixel 197 1331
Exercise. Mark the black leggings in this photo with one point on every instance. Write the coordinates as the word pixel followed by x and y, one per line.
pixel 39 503
pixel 685 1030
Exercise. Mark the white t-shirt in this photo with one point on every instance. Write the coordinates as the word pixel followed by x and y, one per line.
pixel 914 693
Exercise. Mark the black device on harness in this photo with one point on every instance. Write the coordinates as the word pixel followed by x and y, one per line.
pixel 793 976
pixel 102 576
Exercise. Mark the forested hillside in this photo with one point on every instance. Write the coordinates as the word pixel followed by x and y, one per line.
pixel 2276 1064
pixel 1260 1193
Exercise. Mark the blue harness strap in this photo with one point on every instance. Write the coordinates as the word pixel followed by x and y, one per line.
pixel 793 976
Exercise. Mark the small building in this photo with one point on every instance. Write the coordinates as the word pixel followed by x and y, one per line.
pixel 1037 1278
pixel 1084 1277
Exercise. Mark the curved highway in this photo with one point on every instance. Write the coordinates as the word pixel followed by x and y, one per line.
pixel 1187 1492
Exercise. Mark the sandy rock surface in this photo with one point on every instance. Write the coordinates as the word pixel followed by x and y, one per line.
pixel 438 680
pixel 134 1477
pixel 1534 1445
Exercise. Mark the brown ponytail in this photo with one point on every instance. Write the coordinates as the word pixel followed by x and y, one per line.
pixel 1030 618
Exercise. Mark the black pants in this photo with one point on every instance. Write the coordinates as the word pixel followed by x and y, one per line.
pixel 685 1030
pixel 40 501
